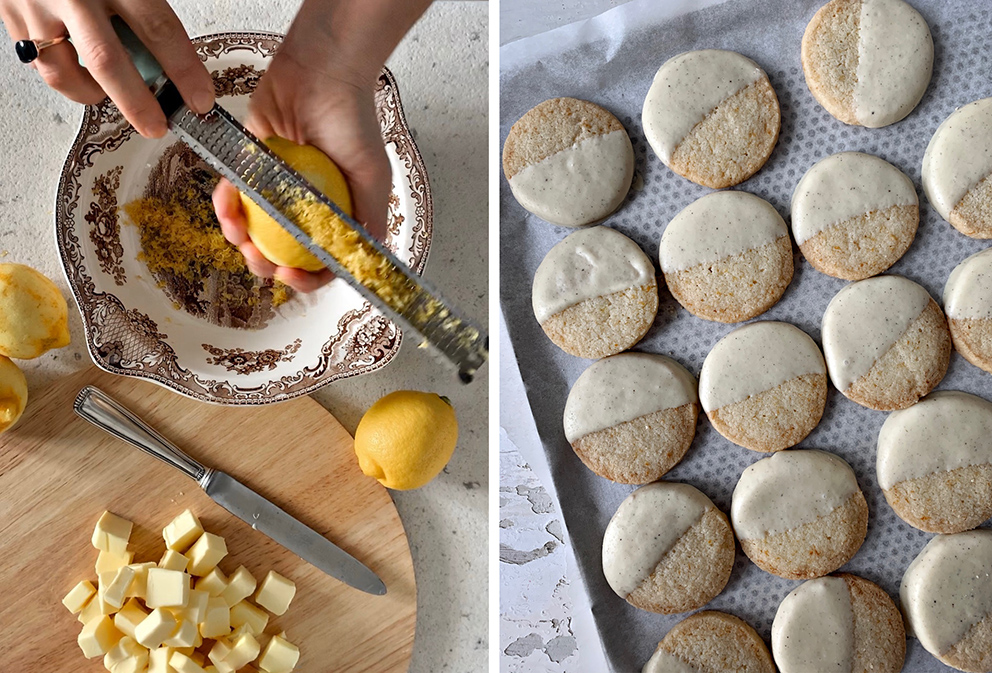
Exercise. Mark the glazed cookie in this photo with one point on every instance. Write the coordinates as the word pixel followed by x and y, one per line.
pixel 957 167
pixel 631 417
pixel 764 386
pixel 886 342
pixel 946 597
pixel 712 116
pixel 799 514
pixel 727 256
pixel 867 62
pixel 854 215
pixel 595 294
pixel 934 462
pixel 841 624
pixel 569 162
pixel 668 549
pixel 714 642
pixel 968 305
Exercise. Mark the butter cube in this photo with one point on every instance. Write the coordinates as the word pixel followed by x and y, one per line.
pixel 126 648
pixel 155 628
pixel 244 651
pixel 223 667
pixel 173 560
pixel 158 660
pixel 184 636
pixel 98 637
pixel 107 561
pixel 111 534
pixel 205 554
pixel 129 617
pixel 222 647
pixel 244 613
pixel 79 596
pixel 239 631
pixel 139 585
pixel 114 584
pixel 182 532
pixel 167 588
pixel 132 665
pixel 184 664
pixel 280 656
pixel 196 606
pixel 276 593
pixel 95 608
pixel 241 585
pixel 214 582
pixel 217 620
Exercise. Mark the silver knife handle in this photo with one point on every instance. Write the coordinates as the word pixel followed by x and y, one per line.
pixel 104 412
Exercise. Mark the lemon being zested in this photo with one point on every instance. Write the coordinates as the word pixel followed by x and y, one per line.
pixel 34 317
pixel 406 438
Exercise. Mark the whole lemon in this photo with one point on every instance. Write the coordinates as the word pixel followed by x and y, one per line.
pixel 278 246
pixel 13 393
pixel 405 439
pixel 34 317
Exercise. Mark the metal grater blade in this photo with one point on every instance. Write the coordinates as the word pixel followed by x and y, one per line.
pixel 257 172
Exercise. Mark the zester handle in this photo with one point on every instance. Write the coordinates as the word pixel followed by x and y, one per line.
pixel 97 407
pixel 147 65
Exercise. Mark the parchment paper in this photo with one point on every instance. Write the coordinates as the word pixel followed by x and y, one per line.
pixel 611 60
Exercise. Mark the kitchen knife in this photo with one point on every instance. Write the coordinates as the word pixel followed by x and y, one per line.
pixel 220 140
pixel 101 410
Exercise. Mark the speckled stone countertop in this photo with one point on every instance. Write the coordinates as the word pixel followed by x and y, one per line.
pixel 442 72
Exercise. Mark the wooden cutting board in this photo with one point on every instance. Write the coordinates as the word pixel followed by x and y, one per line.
pixel 58 474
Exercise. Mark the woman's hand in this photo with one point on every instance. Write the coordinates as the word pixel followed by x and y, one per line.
pixel 108 69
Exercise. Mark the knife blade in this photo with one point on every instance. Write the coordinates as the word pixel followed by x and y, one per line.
pixel 95 406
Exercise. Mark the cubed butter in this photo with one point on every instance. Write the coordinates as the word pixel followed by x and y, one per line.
pixel 126 648
pixel 196 606
pixel 184 636
pixel 224 667
pixel 182 532
pixel 199 658
pixel 130 616
pixel 205 554
pixel 217 619
pixel 132 665
pixel 173 560
pixel 98 637
pixel 95 608
pixel 222 647
pixel 158 660
pixel 244 651
pixel 79 596
pixel 184 664
pixel 107 561
pixel 214 582
pixel 114 585
pixel 280 656
pixel 276 593
pixel 244 613
pixel 167 588
pixel 112 534
pixel 155 628
pixel 241 585
pixel 139 585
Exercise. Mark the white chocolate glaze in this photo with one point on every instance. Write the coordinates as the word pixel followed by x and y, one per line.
pixel 947 588
pixel 719 225
pixel 686 89
pixel 579 185
pixel 587 264
pixel 968 291
pixel 663 662
pixel 813 630
pixel 959 156
pixel 843 186
pixel 645 527
pixel 789 489
pixel 864 320
pixel 895 59
pixel 755 358
pixel 623 387
pixel 942 432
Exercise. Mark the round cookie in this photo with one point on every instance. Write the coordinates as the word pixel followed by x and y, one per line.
pixel 957 167
pixel 595 293
pixel 714 642
pixel 631 417
pixel 946 597
pixel 838 624
pixel 569 162
pixel 867 62
pixel 668 549
pixel 712 116
pixel 968 306
pixel 934 462
pixel 727 256
pixel 764 386
pixel 886 342
pixel 799 514
pixel 854 215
